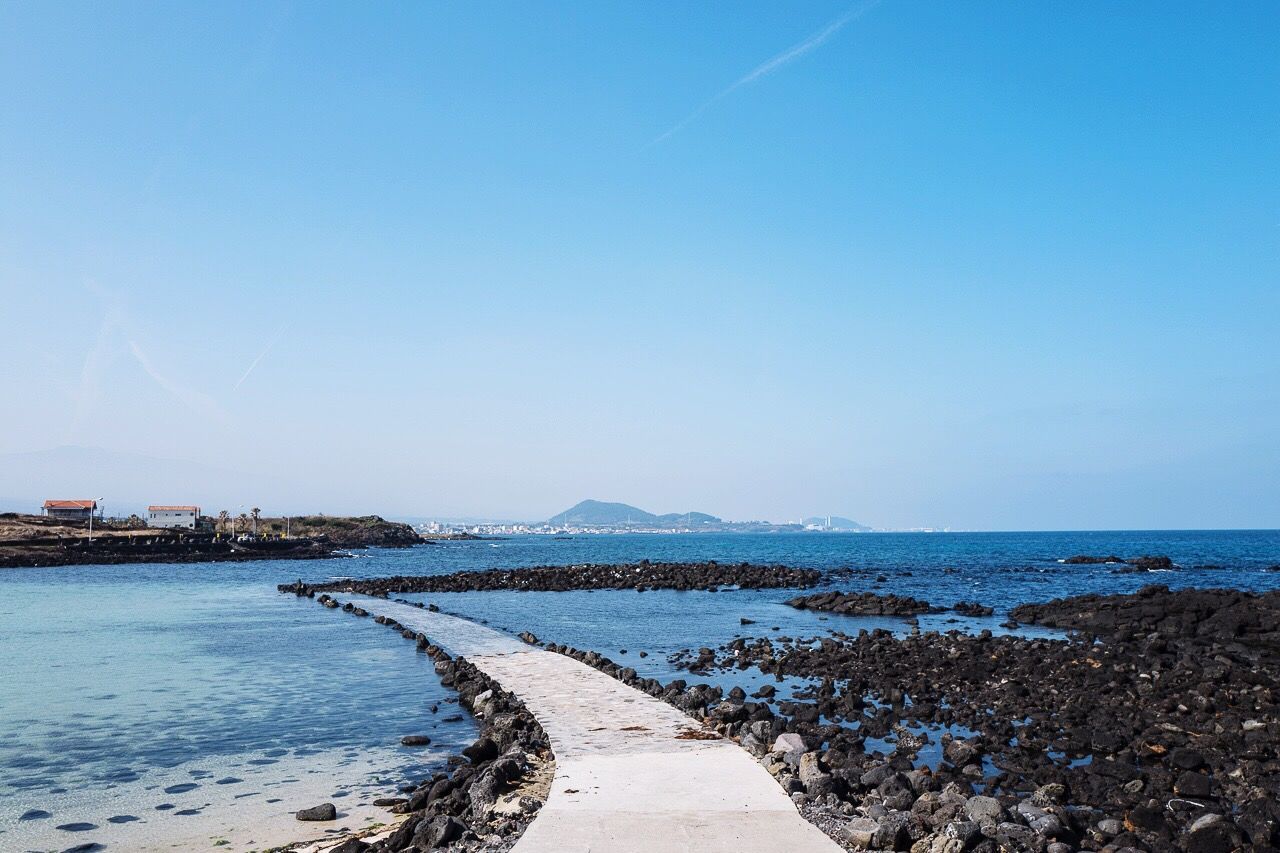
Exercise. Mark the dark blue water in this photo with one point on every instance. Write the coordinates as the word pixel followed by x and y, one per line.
pixel 124 678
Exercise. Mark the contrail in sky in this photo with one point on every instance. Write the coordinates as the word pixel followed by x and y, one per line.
pixel 787 56
pixel 196 401
pixel 265 350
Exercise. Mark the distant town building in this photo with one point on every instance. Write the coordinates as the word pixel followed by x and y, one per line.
pixel 79 510
pixel 173 516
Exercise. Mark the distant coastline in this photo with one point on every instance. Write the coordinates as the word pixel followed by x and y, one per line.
pixel 33 541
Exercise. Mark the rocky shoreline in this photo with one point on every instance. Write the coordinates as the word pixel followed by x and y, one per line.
pixel 37 541
pixel 1155 726
pixel 1200 617
pixel 119 550
pixel 640 576
pixel 1166 736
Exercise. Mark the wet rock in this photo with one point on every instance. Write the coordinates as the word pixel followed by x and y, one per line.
pixel 1151 563
pixel 324 811
pixel 415 740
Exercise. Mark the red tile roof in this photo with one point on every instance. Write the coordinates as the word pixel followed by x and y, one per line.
pixel 173 509
pixel 70 504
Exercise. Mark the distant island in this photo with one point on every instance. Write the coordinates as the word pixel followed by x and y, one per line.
pixel 593 516
pixel 835 522
pixel 603 513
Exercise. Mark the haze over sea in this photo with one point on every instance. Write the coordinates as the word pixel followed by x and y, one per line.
pixel 200 688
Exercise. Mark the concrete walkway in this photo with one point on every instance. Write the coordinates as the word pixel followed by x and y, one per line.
pixel 624 781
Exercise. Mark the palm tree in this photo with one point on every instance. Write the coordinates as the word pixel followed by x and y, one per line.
pixel 244 521
pixel 255 512
pixel 223 517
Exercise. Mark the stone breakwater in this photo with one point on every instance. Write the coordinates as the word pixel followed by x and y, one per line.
pixel 491 792
pixel 1164 737
pixel 640 576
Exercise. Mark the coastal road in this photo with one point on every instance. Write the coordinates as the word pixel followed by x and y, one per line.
pixel 625 780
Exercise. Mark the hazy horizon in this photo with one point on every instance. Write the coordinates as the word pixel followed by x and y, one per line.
pixel 1010 267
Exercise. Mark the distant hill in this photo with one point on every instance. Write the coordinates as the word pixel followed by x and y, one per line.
pixel 605 513
pixel 837 523
pixel 689 518
pixel 602 512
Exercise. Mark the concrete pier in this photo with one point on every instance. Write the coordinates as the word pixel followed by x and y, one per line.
pixel 625 779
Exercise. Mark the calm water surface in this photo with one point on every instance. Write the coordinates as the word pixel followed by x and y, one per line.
pixel 125 688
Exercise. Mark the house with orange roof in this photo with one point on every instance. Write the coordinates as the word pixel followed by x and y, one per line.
pixel 71 510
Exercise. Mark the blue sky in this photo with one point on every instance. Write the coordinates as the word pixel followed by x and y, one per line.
pixel 989 266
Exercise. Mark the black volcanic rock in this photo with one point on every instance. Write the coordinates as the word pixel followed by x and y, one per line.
pixel 324 811
pixel 1206 615
pixel 639 576
pixel 863 604
pixel 1146 563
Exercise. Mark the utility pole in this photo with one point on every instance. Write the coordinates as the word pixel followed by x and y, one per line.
pixel 91 509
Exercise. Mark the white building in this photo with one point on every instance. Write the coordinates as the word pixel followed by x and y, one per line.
pixel 173 516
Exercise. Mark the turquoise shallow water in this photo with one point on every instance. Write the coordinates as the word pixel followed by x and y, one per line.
pixel 119 680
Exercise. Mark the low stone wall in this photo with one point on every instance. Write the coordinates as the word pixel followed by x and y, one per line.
pixel 489 794
pixel 640 576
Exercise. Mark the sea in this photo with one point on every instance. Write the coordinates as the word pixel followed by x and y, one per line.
pixel 193 707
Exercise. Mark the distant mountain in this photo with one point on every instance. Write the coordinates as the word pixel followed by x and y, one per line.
pixel 603 513
pixel 835 522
